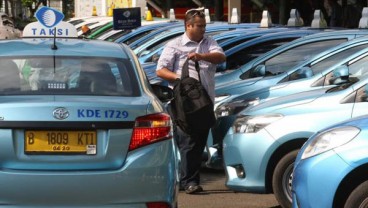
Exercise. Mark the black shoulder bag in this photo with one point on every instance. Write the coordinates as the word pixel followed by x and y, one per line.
pixel 192 107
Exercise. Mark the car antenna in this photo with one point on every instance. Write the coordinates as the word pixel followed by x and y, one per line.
pixel 54 47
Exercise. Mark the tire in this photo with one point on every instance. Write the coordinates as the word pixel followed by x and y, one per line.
pixel 282 177
pixel 358 197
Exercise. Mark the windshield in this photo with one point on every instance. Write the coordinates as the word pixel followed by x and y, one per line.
pixel 67 76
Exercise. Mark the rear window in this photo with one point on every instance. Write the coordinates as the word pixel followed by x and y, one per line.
pixel 67 76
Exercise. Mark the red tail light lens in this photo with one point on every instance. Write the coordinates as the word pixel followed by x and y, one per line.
pixel 150 129
pixel 157 205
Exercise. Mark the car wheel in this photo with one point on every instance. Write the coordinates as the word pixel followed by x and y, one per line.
pixel 282 177
pixel 359 197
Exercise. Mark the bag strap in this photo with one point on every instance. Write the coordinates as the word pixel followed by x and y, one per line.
pixel 185 69
pixel 197 69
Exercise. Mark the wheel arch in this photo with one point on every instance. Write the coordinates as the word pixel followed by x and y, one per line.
pixel 348 184
pixel 280 152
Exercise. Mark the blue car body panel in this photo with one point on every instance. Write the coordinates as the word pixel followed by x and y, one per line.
pixel 342 161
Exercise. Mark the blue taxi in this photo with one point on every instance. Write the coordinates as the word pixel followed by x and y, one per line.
pixel 312 74
pixel 260 149
pixel 333 163
pixel 80 125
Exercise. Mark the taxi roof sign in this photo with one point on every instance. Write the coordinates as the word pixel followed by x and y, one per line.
pixel 49 24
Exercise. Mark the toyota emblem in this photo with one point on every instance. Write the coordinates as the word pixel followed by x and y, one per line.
pixel 60 113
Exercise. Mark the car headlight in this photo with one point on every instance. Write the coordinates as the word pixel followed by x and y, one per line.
pixel 252 124
pixel 234 107
pixel 329 140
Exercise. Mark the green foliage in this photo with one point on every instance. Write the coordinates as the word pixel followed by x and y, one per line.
pixel 28 3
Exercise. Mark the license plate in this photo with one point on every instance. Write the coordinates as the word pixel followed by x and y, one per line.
pixel 68 142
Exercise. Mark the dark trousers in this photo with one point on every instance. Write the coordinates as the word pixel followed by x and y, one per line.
pixel 191 150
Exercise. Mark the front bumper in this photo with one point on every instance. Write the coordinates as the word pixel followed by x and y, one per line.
pixel 252 152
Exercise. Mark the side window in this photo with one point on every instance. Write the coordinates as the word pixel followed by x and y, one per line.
pixel 327 79
pixel 115 36
pixel 136 37
pixel 362 94
pixel 235 43
pixel 331 60
pixel 245 55
pixel 356 68
pixel 359 67
pixel 294 56
pixel 161 41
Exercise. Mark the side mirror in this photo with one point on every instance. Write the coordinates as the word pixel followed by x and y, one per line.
pixel 221 67
pixel 340 75
pixel 163 93
pixel 305 72
pixel 259 71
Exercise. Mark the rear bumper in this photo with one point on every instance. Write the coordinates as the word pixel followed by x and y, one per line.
pixel 148 175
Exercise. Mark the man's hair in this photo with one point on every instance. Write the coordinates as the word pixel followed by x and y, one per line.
pixel 192 13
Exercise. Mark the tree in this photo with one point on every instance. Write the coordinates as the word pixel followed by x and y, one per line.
pixel 33 5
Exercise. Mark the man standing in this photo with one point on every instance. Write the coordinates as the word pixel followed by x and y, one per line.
pixel 193 45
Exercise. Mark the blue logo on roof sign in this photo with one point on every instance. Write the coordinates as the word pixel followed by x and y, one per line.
pixel 49 17
pixel 49 24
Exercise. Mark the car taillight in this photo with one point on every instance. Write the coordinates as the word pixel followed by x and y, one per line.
pixel 157 205
pixel 150 129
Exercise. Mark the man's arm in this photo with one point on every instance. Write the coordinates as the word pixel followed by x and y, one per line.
pixel 214 57
pixel 165 63
pixel 166 74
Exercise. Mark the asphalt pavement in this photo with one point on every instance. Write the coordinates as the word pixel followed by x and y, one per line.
pixel 217 195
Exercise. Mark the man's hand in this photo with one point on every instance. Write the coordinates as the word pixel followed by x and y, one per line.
pixel 214 58
pixel 175 82
pixel 195 56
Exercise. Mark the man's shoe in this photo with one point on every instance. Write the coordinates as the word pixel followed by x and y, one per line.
pixel 192 189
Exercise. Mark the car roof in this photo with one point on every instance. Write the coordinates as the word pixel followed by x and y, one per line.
pixel 312 37
pixel 176 28
pixel 144 28
pixel 67 47
pixel 269 36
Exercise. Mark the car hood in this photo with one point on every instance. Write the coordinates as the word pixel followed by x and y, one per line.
pixel 226 87
pixel 286 101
